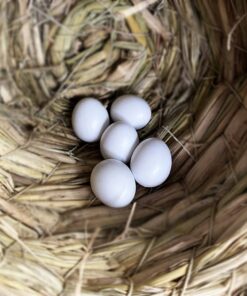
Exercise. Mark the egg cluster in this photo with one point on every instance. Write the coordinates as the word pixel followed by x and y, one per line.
pixel 112 181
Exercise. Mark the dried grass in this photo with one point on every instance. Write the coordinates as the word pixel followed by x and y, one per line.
pixel 188 59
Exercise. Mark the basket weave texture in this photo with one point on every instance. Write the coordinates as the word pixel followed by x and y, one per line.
pixel 188 59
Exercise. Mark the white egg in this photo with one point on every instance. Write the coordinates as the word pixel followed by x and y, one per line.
pixel 131 109
pixel 89 119
pixel 151 162
pixel 119 141
pixel 113 183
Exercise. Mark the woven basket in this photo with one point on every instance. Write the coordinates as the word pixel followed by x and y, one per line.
pixel 188 59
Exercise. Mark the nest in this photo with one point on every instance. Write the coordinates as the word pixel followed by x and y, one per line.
pixel 188 59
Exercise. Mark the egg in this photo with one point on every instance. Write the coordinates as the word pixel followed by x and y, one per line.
pixel 89 119
pixel 119 141
pixel 113 183
pixel 132 110
pixel 151 162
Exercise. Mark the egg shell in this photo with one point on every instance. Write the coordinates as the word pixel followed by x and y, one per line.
pixel 119 141
pixel 132 110
pixel 113 183
pixel 151 162
pixel 89 119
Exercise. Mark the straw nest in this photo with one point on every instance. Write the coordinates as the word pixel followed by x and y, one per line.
pixel 188 59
